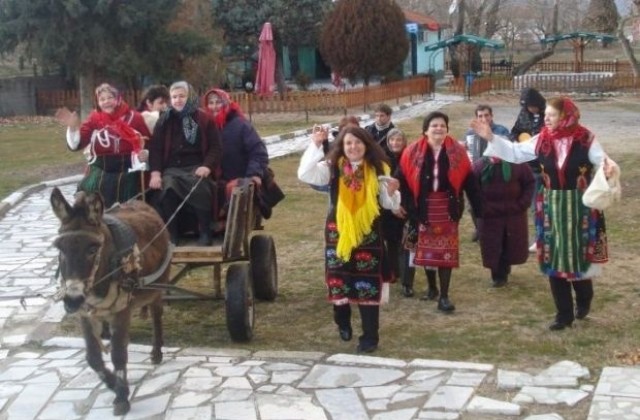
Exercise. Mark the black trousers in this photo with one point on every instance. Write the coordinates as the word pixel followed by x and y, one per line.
pixel 563 298
pixel 370 317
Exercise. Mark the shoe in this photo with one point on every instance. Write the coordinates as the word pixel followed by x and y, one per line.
pixel 407 291
pixel 204 240
pixel 345 333
pixel 533 248
pixel 445 305
pixel 430 294
pixel 366 348
pixel 499 282
pixel 559 326
pixel 581 313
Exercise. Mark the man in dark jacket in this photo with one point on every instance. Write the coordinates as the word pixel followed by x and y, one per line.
pixel 382 125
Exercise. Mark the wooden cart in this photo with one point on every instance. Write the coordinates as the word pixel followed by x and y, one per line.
pixel 252 272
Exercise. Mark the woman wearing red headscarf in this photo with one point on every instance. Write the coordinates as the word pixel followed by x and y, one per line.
pixel 111 136
pixel 434 171
pixel 570 237
pixel 244 153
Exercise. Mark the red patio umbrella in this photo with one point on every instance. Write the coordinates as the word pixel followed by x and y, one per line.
pixel 265 77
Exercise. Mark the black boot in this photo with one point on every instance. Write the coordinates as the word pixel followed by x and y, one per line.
pixel 584 295
pixel 204 227
pixel 432 289
pixel 561 292
pixel 407 274
pixel 342 318
pixel 370 316
pixel 444 304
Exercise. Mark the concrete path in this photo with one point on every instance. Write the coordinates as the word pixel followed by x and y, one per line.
pixel 46 377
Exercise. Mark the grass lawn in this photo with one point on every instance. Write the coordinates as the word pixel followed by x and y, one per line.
pixel 505 326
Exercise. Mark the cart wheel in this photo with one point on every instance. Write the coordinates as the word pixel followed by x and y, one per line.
pixel 239 302
pixel 264 267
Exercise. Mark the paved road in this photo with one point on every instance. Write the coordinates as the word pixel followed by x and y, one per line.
pixel 45 377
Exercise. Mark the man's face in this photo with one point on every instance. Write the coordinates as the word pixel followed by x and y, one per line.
pixel 484 116
pixel 382 118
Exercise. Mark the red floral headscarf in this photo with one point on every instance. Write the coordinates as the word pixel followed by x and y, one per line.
pixel 228 106
pixel 115 121
pixel 568 127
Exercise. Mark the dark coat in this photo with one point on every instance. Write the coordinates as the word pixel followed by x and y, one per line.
pixel 380 136
pixel 244 153
pixel 502 212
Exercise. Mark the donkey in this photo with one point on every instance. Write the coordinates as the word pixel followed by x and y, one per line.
pixel 104 260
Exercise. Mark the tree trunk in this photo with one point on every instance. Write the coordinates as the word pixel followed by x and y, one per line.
pixel 453 56
pixel 87 84
pixel 626 46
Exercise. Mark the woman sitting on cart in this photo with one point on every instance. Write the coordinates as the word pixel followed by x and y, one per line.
pixel 184 154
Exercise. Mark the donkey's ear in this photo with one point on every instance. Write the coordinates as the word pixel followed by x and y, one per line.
pixel 95 209
pixel 60 206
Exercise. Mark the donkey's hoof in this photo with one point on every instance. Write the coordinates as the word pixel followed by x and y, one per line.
pixel 120 408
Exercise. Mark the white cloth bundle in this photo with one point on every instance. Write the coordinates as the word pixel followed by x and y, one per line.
pixel 602 192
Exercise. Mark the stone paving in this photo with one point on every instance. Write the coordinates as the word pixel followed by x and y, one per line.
pixel 46 377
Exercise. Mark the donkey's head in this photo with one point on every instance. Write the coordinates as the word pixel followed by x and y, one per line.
pixel 80 242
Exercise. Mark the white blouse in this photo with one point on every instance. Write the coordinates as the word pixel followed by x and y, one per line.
pixel 514 152
pixel 315 171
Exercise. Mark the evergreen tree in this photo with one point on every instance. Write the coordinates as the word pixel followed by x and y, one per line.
pixel 362 38
pixel 602 16
pixel 97 40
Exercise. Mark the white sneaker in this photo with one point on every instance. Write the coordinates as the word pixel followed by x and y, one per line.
pixel 533 247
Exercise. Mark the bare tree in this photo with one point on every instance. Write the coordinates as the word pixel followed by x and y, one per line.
pixel 548 50
pixel 626 44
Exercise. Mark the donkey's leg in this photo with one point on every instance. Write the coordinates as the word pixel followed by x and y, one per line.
pixel 158 339
pixel 94 351
pixel 119 358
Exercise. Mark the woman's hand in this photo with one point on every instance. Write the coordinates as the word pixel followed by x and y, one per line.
pixel 68 118
pixel 155 183
pixel 401 213
pixel 319 135
pixel 203 171
pixel 609 167
pixel 481 128
pixel 257 180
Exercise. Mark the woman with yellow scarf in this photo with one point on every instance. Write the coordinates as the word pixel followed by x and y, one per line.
pixel 356 266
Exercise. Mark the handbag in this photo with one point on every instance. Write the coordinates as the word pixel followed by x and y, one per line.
pixel 602 192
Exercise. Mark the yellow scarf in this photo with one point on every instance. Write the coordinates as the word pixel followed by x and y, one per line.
pixel 357 205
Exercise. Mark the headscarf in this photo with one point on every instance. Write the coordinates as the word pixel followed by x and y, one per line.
pixel 229 106
pixel 490 164
pixel 115 121
pixel 189 125
pixel 412 159
pixel 357 204
pixel 568 127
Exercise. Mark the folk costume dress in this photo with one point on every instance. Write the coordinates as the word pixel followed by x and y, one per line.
pixel 570 237
pixel 109 140
pixel 356 264
pixel 435 180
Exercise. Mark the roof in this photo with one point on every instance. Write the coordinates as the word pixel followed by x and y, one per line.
pixel 581 35
pixel 422 20
pixel 465 39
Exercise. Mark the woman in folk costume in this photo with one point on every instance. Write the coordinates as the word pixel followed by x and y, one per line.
pixel 245 154
pixel 434 171
pixel 356 264
pixel 570 237
pixel 185 149
pixel 112 136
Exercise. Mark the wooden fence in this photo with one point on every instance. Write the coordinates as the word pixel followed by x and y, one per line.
pixel 503 67
pixel 312 101
pixel 576 82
